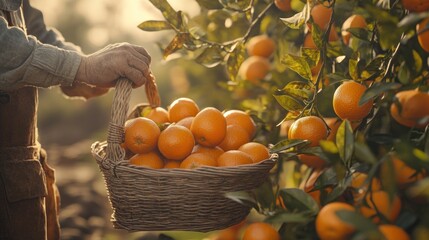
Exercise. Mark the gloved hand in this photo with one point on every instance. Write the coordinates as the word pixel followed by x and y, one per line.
pixel 78 90
pixel 104 67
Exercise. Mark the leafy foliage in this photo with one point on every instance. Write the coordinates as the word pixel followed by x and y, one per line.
pixel 385 56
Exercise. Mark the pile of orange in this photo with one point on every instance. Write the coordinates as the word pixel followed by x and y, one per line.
pixel 183 136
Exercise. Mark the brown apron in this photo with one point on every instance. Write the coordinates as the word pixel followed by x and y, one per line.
pixel 29 199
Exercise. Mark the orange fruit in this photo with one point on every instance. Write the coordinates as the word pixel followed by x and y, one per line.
pixel 354 21
pixel 312 161
pixel 309 128
pixel 329 226
pixel 242 119
pixel 172 164
pixel 423 37
pixel 186 122
pixel 414 107
pixel 213 152
pixel 283 5
pixel 284 128
pixel 416 5
pixel 360 185
pixel 225 234
pixel 308 186
pixel 176 142
pixel 141 135
pixel 308 41
pixel 260 231
pixel 158 114
pixel 261 45
pixel 405 175
pixel 379 202
pixel 254 69
pixel 233 158
pixel 182 108
pixel 149 159
pixel 209 127
pixel 257 151
pixel 321 15
pixel 346 101
pixel 196 160
pixel 234 138
pixel 393 232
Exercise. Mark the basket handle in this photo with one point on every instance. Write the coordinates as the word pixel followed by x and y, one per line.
pixel 115 133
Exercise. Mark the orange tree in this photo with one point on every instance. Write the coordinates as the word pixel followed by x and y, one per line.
pixel 361 68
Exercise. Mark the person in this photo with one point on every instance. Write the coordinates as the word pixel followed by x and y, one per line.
pixel 34 56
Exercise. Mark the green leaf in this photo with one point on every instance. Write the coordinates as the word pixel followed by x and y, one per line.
pixel 300 90
pixel 353 66
pixel 288 102
pixel 364 154
pixel 361 223
pixel 297 20
pixel 210 4
pixel 235 59
pixel 376 90
pixel 345 142
pixel 317 36
pixel 312 56
pixel 175 44
pixel 235 5
pixel 153 25
pixel 297 64
pixel 404 73
pixel 360 33
pixel 287 217
pixel 210 57
pixel 297 200
pixel 328 146
pixel 287 144
pixel 173 17
pixel 418 62
pixel 412 19
pixel 244 198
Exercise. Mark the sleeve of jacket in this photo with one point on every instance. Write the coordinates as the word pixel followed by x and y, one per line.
pixel 24 61
pixel 36 26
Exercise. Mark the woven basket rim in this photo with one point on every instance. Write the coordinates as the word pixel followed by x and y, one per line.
pixel 99 146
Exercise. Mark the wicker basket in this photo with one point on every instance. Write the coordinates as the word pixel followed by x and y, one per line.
pixel 146 199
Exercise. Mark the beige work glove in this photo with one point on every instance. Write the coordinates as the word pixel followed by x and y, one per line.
pixel 105 67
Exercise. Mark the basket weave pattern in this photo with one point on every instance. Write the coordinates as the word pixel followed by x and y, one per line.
pixel 146 199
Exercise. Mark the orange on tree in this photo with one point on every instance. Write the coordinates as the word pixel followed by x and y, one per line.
pixel 393 232
pixel 209 127
pixel 186 122
pixel 260 231
pixel 234 138
pixel 233 158
pixel 423 35
pixel 284 128
pixel 254 69
pixel 157 114
pixel 257 151
pixel 309 128
pixel 312 161
pixel 321 15
pixel 354 21
pixel 150 159
pixel 283 5
pixel 329 226
pixel 346 101
pixel 182 108
pixel 413 108
pixel 172 164
pixel 308 186
pixel 261 45
pixel 360 185
pixel 196 160
pixel 379 202
pixel 415 5
pixel 404 174
pixel 242 119
pixel 141 135
pixel 213 152
pixel 176 142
